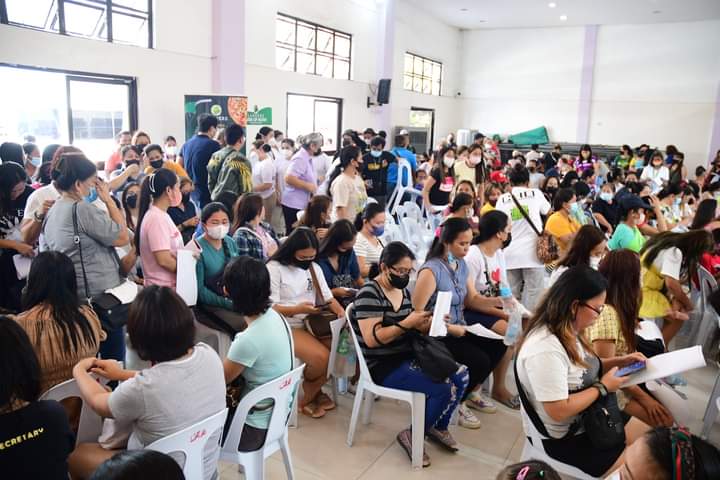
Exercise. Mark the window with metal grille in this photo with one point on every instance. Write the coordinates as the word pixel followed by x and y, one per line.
pixel 422 75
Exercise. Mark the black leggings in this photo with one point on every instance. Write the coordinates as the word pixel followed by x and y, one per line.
pixel 290 216
pixel 481 355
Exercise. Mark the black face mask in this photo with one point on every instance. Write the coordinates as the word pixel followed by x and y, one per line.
pixel 131 201
pixel 304 264
pixel 132 162
pixel 551 190
pixel 398 281
pixel 507 241
pixel 156 163
pixel 186 197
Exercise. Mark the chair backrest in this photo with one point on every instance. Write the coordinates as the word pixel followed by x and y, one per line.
pixel 707 284
pixel 90 425
pixel 191 442
pixel 282 391
pixel 364 371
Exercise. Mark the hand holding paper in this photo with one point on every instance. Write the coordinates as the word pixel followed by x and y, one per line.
pixel 186 283
pixel 442 309
pixel 671 363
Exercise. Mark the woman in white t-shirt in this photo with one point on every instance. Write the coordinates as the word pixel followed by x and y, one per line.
pixel 347 189
pixel 656 173
pixel 264 178
pixel 368 248
pixel 294 294
pixel 561 376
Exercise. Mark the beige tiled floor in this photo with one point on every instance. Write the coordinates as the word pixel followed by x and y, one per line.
pixel 319 450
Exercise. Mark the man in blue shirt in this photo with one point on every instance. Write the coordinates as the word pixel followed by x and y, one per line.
pixel 195 155
pixel 399 150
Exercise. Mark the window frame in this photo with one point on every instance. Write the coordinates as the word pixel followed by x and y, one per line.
pixel 295 48
pixel 104 24
pixel 421 75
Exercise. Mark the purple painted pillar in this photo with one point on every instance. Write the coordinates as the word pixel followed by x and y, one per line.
pixel 586 84
pixel 715 135
pixel 386 59
pixel 228 57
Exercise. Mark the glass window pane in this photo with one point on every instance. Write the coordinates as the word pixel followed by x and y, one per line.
pixel 324 41
pixel 85 21
pixel 437 73
pixel 427 86
pixel 407 68
pixel 285 31
pixel 417 65
pixel 427 69
pixel 305 36
pixel 436 88
pixel 305 62
pixel 284 58
pixel 417 84
pixel 324 66
pixel 128 29
pixel 342 46
pixel 407 82
pixel 342 69
pixel 35 14
pixel 141 5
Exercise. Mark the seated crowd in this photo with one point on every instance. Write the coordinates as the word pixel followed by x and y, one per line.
pixel 578 250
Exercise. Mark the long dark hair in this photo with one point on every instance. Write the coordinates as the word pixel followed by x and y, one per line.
pixel 248 207
pixel 587 238
pixel 347 155
pixel 52 282
pixel 461 200
pixel 370 211
pixel 705 213
pixel 621 269
pixel 692 244
pixel 450 230
pixel 300 238
pixel 340 232
pixel 20 374
pixel 153 187
pixel 128 215
pixel 492 223
pixel 10 175
pixel 577 284
pixel 312 217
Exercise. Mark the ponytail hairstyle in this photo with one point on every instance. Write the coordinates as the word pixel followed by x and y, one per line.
pixel 371 210
pixel 347 155
pixel 449 231
pixel 342 231
pixel 70 165
pixel 153 187
pixel 461 200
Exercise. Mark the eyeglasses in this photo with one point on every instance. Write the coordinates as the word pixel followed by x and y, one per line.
pixel 402 271
pixel 596 310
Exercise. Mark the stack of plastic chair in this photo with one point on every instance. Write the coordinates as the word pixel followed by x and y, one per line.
pixel 397 196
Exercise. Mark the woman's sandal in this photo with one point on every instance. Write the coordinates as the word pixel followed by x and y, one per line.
pixel 324 402
pixel 512 402
pixel 444 439
pixel 404 439
pixel 313 410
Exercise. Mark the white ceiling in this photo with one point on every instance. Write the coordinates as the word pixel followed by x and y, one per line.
pixel 537 13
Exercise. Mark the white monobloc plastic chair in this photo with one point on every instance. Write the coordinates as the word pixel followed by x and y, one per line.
pixel 282 391
pixel 217 339
pixel 364 392
pixel 90 424
pixel 396 197
pixel 191 443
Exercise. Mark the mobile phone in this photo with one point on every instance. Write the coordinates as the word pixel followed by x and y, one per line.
pixel 630 369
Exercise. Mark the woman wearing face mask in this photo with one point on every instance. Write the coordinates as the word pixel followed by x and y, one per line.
pixel 670 200
pixel 374 169
pixel 301 180
pixel 339 262
pixel 253 237
pixel 445 270
pixel 561 224
pixel 550 187
pixel 440 183
pixel 623 159
pixel 140 139
pixel 218 248
pixel 317 215
pixel 370 225
pixel 294 294
pixel 170 148
pixel 347 189
pixel 184 215
pixel 587 248
pixel 605 210
pixel 75 177
pixel 158 239
pixel 155 160
pixel 33 160
pixel 130 201
pixel 468 187
pixel 463 206
pixel 657 173
pixel 492 193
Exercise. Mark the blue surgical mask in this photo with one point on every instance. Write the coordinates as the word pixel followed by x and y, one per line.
pixel 607 196
pixel 376 153
pixel 451 259
pixel 36 161
pixel 92 196
pixel 575 208
pixel 378 231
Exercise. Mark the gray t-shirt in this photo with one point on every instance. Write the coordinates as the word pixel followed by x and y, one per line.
pixel 97 234
pixel 171 396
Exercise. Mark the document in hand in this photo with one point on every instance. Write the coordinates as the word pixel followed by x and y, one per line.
pixel 481 331
pixel 666 364
pixel 442 309
pixel 186 283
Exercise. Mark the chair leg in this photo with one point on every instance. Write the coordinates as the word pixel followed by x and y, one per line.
pixel 357 403
pixel 711 412
pixel 367 408
pixel 334 391
pixel 254 466
pixel 418 429
pixel 287 459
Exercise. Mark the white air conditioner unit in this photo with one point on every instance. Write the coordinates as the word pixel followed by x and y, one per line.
pixel 419 138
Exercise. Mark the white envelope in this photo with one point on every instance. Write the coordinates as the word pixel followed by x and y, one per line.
pixel 442 308
pixel 186 280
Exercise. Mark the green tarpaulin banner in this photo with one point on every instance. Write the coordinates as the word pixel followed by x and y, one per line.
pixel 537 135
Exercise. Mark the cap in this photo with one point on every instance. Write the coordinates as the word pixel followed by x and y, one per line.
pixel 404 132
pixel 498 177
pixel 633 202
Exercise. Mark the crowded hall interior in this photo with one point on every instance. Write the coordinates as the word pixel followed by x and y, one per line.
pixel 359 239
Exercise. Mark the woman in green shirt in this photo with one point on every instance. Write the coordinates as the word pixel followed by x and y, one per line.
pixel 627 235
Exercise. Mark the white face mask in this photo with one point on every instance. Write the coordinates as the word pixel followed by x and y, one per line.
pixel 170 151
pixel 474 160
pixel 595 262
pixel 218 232
pixel 641 220
pixel 449 161
pixel 287 152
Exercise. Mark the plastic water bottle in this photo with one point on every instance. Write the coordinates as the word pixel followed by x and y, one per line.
pixel 515 321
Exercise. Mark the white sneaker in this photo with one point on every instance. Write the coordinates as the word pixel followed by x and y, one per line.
pixel 481 403
pixel 467 419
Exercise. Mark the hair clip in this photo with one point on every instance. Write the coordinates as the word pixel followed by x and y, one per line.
pixel 151 183
pixel 522 473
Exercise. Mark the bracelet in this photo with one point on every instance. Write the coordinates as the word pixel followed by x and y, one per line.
pixel 601 388
pixel 38 218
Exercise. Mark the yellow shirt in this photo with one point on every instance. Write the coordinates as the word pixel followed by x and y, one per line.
pixel 607 327
pixel 559 225
pixel 464 172
pixel 175 167
pixel 486 208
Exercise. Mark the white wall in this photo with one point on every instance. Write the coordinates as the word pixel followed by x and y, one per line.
pixel 652 84
pixel 179 63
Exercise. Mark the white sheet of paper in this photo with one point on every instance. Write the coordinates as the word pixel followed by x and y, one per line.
pixel 442 308
pixel 186 285
pixel 677 405
pixel 22 265
pixel 481 331
pixel 125 292
pixel 670 363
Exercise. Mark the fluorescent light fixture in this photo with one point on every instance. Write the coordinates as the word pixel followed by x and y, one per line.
pixel 552 4
pixel 563 17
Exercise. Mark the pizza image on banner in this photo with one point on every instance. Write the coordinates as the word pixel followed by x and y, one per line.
pixel 227 109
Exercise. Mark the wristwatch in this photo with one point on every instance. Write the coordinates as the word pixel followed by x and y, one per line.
pixel 38 218
pixel 601 388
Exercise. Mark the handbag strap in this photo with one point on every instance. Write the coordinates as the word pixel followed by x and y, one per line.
pixel 316 286
pixel 76 241
pixel 525 215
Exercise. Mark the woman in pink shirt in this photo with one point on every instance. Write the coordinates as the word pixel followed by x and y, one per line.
pixel 158 239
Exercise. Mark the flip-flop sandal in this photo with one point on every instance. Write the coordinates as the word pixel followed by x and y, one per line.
pixel 444 440
pixel 325 402
pixel 512 402
pixel 404 439
pixel 313 410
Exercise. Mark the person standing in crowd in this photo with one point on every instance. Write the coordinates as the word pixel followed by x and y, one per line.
pixel 183 385
pixel 155 159
pixel 61 329
pixel 339 262
pixel 130 201
pixel 157 238
pixel 562 224
pixel 492 193
pixel 253 237
pixel 171 149
pixel 400 150
pixel 370 225
pixel 322 163
pixel 375 166
pixel 97 269
pixel 265 180
pixel 123 140
pixel 129 168
pixel 445 270
pixel 440 183
pixel 316 216
pixel 525 272
pixel 195 156
pixel 587 248
pixel 561 376
pixel 263 352
pixel 140 139
pixel 228 169
pixel 347 188
pixel 627 234
pixel 585 160
pixel 300 179
pixel 184 215
pixel 295 289
pixel 45 454
pixel 33 160
pixel 381 318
